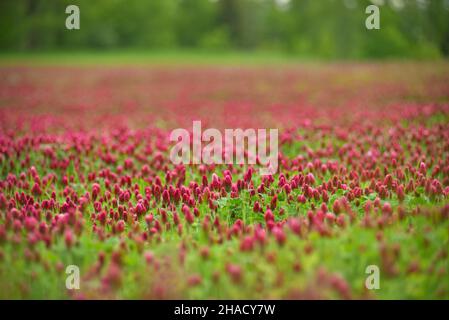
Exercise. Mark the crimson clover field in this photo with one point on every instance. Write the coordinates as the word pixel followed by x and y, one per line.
pixel 363 179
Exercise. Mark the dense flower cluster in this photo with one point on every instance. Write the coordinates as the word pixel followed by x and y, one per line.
pixel 363 179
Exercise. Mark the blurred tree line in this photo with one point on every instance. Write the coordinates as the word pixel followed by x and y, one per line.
pixel 315 28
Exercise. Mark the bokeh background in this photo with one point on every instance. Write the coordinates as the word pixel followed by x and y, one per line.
pixel 324 29
pixel 86 178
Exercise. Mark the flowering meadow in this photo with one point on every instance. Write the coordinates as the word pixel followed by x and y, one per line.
pixel 363 180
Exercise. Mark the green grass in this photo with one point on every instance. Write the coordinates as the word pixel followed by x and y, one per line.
pixel 169 57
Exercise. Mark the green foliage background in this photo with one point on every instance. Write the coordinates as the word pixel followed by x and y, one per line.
pixel 307 28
